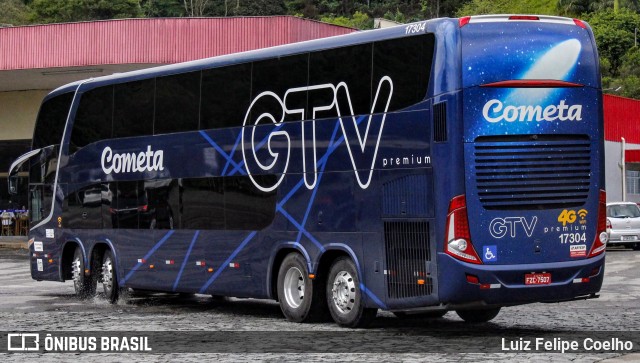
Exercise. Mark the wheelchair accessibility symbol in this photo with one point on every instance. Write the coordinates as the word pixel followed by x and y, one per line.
pixel 490 253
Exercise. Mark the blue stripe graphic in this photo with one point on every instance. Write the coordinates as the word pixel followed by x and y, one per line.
pixel 149 254
pixel 186 258
pixel 226 263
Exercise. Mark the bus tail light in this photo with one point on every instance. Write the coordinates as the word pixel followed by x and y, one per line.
pixel 458 239
pixel 600 242
pixel 524 17
pixel 580 23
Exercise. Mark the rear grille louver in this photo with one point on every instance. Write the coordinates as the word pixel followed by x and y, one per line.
pixel 533 171
pixel 408 256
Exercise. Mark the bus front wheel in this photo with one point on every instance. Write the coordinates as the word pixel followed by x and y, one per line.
pixel 478 315
pixel 82 284
pixel 109 278
pixel 344 296
pixel 301 298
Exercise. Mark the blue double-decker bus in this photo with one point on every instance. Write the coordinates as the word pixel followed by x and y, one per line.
pixel 444 165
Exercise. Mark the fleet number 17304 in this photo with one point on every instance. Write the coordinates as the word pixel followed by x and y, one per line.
pixel 573 237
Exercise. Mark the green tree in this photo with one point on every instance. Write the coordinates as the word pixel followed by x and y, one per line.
pixel 13 12
pixel 162 8
pixel 358 21
pixel 56 11
pixel 576 8
pixel 478 7
pixel 629 74
pixel 259 8
pixel 614 33
pixel 305 8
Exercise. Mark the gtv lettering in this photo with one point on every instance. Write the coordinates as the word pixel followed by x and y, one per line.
pixel 501 227
pixel 278 142
pixel 495 111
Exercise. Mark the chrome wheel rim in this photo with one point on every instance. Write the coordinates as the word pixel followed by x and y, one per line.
pixel 294 287
pixel 107 275
pixel 344 292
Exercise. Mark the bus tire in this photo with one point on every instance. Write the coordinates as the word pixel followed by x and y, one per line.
pixel 82 284
pixel 344 296
pixel 478 315
pixel 109 277
pixel 301 298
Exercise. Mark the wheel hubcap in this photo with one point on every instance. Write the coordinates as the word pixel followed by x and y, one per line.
pixel 75 272
pixel 344 292
pixel 294 287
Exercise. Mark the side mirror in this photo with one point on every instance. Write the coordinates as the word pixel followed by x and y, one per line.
pixel 14 184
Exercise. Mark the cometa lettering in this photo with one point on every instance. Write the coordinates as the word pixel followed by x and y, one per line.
pixel 495 111
pixel 131 162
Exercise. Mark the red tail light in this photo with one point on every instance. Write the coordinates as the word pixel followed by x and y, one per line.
pixel 464 21
pixel 580 23
pixel 457 236
pixel 523 17
pixel 600 242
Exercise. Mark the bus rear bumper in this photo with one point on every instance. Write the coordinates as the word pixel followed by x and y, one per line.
pixel 465 284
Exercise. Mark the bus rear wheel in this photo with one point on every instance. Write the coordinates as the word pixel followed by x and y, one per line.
pixel 82 284
pixel 109 278
pixel 478 315
pixel 301 298
pixel 344 296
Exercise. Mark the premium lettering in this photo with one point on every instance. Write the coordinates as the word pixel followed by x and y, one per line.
pixel 131 162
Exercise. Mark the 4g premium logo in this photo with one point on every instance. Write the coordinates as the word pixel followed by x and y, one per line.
pixel 571 233
pixel 570 216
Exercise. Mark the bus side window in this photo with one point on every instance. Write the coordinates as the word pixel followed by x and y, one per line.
pixel 226 95
pixel 247 207
pixel 351 65
pixel 407 61
pixel 133 108
pixel 202 204
pixel 127 205
pixel 176 104
pixel 93 120
pixel 267 76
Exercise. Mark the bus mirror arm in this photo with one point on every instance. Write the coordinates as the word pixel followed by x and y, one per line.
pixel 15 167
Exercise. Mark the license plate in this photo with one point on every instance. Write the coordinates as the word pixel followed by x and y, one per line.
pixel 537 278
pixel 629 238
